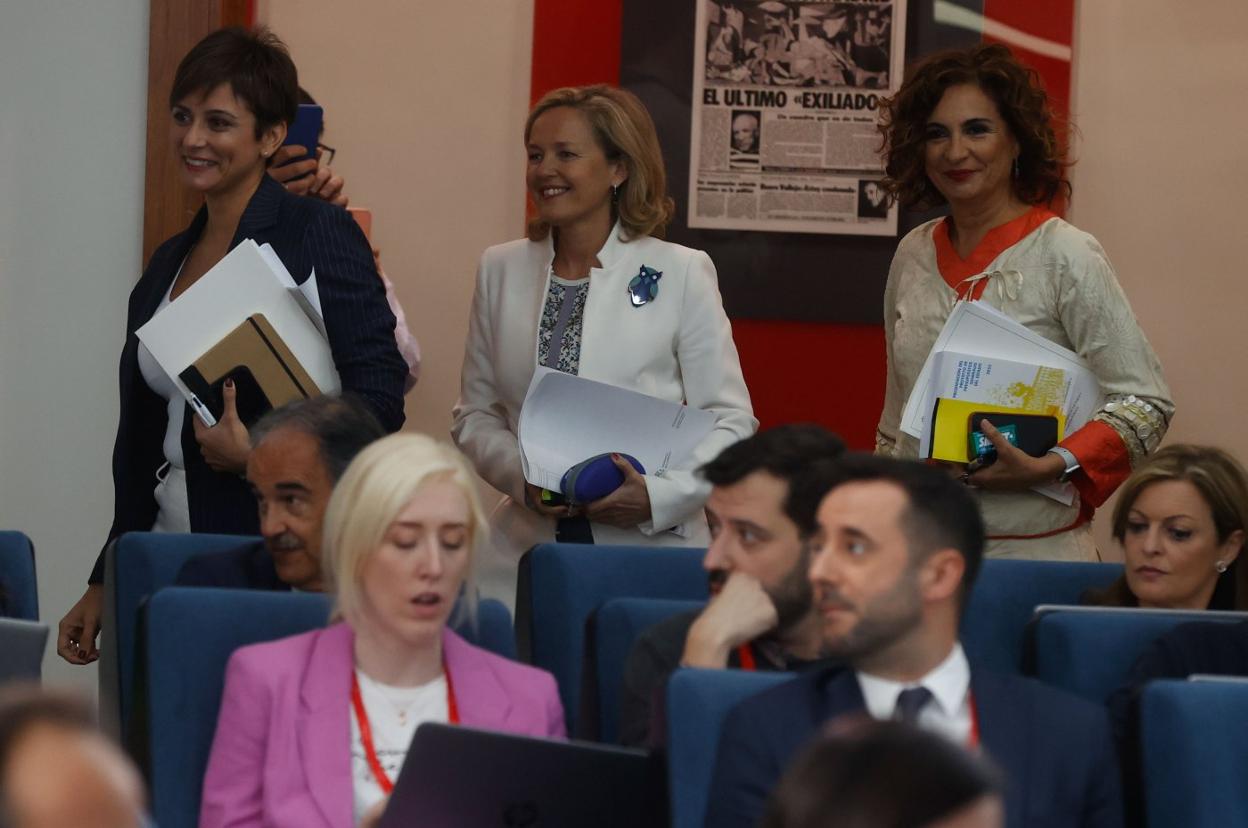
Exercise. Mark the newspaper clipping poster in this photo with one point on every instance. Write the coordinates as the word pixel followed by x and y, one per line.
pixel 785 99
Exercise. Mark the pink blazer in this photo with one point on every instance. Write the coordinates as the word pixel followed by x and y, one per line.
pixel 281 756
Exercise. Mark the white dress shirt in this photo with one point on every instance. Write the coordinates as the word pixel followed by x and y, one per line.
pixel 949 711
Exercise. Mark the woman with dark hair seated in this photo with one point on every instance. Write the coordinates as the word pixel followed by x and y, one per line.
pixel 233 97
pixel 869 774
pixel 973 130
pixel 1182 521
pixel 315 728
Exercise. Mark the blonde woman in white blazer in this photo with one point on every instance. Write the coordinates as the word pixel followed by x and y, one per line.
pixel 566 297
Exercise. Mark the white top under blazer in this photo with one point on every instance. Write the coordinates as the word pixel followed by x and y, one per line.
pixel 676 347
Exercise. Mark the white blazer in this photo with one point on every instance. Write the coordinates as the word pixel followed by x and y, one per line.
pixel 677 347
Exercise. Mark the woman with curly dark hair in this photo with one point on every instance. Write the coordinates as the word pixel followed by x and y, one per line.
pixel 973 129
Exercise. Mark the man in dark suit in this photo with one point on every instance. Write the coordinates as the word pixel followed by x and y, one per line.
pixel 896 551
pixel 760 616
pixel 298 453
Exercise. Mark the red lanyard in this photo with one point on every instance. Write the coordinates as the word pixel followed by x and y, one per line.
pixel 972 741
pixel 746 656
pixel 366 730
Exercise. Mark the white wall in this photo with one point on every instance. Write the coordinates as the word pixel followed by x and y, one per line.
pixel 425 103
pixel 1161 177
pixel 73 78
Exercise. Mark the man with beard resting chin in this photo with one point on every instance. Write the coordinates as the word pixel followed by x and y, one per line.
pixel 893 559
pixel 761 508
pixel 298 453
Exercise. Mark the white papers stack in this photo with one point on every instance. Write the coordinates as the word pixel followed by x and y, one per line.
pixel 568 419
pixel 979 330
pixel 249 280
pixel 996 382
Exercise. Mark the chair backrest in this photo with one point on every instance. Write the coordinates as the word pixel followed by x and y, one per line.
pixel 561 584
pixel 184 683
pixel 18 584
pixel 145 562
pixel 1194 752
pixel 697 703
pixel 1005 597
pixel 1090 650
pixel 615 627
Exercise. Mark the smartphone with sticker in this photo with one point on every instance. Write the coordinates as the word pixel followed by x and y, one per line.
pixel 1035 434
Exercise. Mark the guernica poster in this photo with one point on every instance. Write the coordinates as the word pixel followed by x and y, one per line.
pixel 786 95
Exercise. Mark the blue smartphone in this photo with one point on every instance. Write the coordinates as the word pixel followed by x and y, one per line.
pixel 306 130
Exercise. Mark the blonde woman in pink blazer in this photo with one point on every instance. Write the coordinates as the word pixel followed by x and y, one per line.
pixel 314 728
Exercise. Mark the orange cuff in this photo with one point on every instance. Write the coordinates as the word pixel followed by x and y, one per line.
pixel 1104 462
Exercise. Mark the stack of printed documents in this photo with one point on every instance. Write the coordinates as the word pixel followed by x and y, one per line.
pixel 984 361
pixel 567 419
pixel 249 296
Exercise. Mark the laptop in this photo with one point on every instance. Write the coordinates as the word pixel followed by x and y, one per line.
pixel 21 649
pixel 457 776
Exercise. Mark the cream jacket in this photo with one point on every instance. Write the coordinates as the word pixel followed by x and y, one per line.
pixel 677 347
pixel 1058 282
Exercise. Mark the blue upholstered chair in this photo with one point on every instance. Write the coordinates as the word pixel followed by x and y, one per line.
pixel 615 627
pixel 1089 650
pixel 561 584
pixel 184 683
pixel 143 563
pixel 17 577
pixel 1192 737
pixel 697 703
pixel 1005 598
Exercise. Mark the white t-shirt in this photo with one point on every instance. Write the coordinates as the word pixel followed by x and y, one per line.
pixel 394 713
pixel 173 512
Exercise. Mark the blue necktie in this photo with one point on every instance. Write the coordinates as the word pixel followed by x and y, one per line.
pixel 909 703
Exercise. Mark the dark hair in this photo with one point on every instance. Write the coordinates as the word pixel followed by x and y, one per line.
pixel 342 427
pixel 940 513
pixel 256 65
pixel 1019 96
pixel 882 774
pixel 22 706
pixel 790 453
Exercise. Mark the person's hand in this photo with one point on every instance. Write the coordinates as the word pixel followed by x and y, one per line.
pixel 294 175
pixel 328 187
pixel 1014 470
pixel 75 640
pixel 741 612
pixel 291 173
pixel 533 499
pixel 226 445
pixel 628 505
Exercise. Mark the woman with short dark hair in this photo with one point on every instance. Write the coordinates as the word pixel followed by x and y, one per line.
pixel 972 129
pixel 233 97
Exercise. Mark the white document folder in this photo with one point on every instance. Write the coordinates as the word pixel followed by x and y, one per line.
pixel 567 419
pixel 979 329
pixel 249 280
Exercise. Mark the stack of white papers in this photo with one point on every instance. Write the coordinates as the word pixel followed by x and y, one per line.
pixel 976 329
pixel 249 280
pixel 979 334
pixel 567 419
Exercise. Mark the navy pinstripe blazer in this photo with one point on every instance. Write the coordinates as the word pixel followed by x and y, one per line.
pixel 305 233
